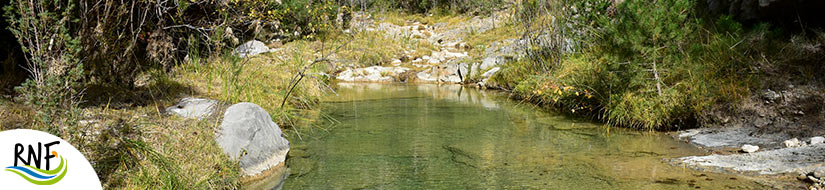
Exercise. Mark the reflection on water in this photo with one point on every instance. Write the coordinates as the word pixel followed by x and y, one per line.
pixel 449 92
pixel 453 137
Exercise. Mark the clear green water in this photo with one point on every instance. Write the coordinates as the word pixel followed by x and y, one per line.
pixel 453 137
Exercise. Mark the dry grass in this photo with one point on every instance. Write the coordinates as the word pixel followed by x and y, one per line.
pixel 14 115
pixel 140 148
pixel 402 19
pixel 262 80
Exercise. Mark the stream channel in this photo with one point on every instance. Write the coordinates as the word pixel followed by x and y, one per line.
pixel 399 136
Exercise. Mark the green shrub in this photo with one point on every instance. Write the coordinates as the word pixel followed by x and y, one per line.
pixel 640 64
pixel 43 28
pixel 306 18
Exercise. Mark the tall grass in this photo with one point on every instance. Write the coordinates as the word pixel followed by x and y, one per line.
pixel 262 80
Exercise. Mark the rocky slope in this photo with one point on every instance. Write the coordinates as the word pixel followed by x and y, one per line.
pixel 449 63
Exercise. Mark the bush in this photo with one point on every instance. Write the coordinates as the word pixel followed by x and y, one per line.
pixel 639 64
pixel 296 18
pixel 44 31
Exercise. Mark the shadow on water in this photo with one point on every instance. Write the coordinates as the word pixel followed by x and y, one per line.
pixel 453 137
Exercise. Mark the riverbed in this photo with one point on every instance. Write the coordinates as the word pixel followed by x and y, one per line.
pixel 399 136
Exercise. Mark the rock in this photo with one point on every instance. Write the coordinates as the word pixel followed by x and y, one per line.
pixel 812 179
pixel 248 134
pixel 488 62
pixel 195 108
pixel 251 48
pixel 426 76
pixel 770 95
pixel 819 172
pixel 749 148
pixel 481 85
pixel 490 73
pixel 731 137
pixel 770 162
pixel 450 73
pixel 817 140
pixel 448 54
pixel 792 143
pixel 434 61
pixel 802 177
pixel 459 45
pixel 228 34
pixel 473 70
pixel 371 74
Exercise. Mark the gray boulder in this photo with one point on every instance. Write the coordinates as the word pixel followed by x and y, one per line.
pixel 251 48
pixel 196 108
pixel 248 133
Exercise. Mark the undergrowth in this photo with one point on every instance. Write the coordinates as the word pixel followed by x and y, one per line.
pixel 647 66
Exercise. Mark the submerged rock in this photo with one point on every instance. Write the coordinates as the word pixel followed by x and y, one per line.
pixel 196 108
pixel 251 48
pixel 248 134
pixel 749 148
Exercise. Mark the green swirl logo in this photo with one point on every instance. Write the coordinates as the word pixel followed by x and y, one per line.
pixel 34 174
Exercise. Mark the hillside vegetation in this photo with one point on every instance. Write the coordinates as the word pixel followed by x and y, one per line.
pixel 647 65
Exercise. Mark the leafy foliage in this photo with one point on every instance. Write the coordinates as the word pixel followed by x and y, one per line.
pixel 299 18
pixel 44 30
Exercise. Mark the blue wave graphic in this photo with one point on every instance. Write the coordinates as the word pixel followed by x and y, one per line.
pixel 31 173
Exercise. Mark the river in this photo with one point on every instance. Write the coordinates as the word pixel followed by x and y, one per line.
pixel 397 136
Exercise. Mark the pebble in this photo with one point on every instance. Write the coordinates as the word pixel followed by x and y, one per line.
pixel 749 148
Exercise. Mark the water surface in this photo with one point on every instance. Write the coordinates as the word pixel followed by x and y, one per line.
pixel 454 137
